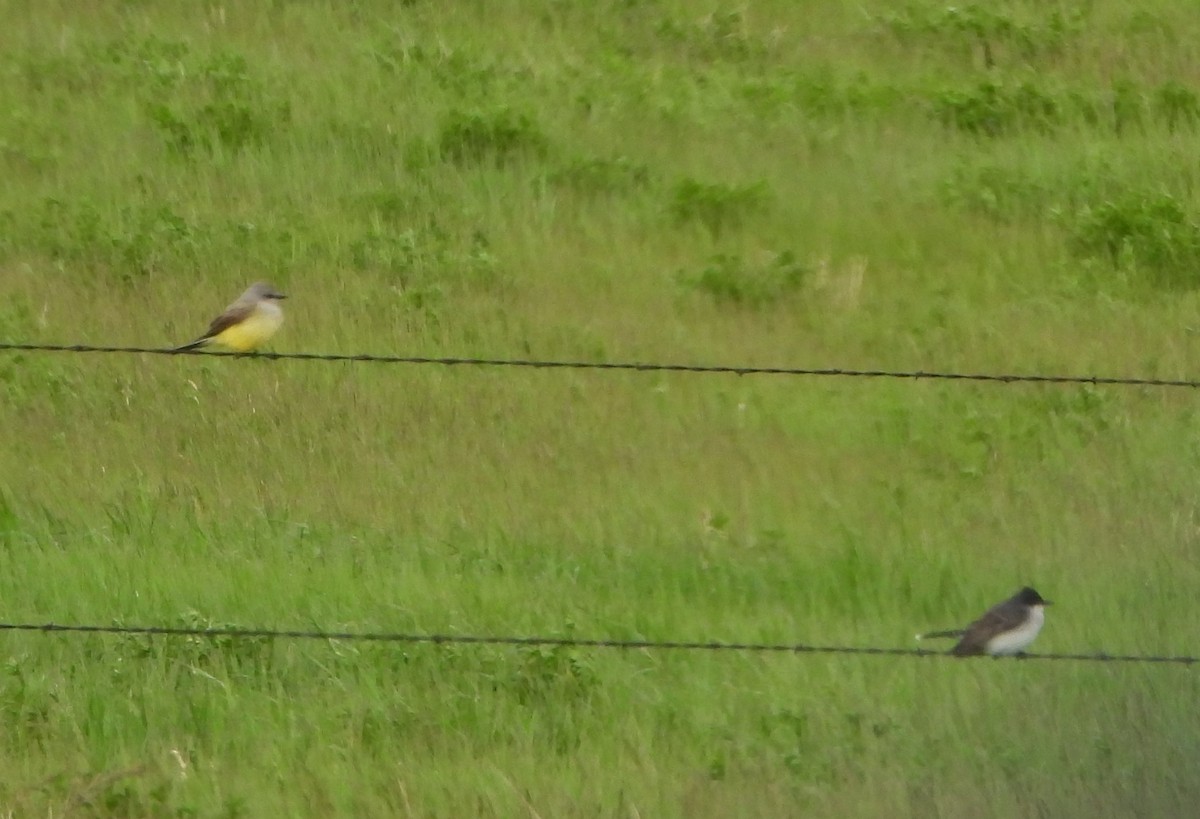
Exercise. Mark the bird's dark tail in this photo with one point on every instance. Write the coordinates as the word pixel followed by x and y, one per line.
pixel 192 345
pixel 933 634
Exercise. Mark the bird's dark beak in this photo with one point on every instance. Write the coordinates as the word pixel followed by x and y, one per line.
pixel 278 296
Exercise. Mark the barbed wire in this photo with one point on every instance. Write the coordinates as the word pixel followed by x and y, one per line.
pixel 554 642
pixel 449 361
pixel 568 642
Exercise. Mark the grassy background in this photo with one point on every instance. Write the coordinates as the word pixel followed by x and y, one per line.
pixel 994 186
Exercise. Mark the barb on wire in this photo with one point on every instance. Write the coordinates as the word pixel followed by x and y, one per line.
pixel 1003 378
pixel 565 642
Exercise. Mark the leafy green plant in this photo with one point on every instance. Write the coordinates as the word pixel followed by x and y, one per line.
pixel 240 655
pixel 27 703
pixel 1152 234
pixel 197 102
pixel 133 240
pixel 599 175
pixel 730 278
pixel 1036 33
pixel 460 72
pixel 424 265
pixel 390 204
pixel 717 206
pixel 222 106
pixel 550 673
pixel 1128 106
pixel 497 136
pixel 993 107
pixel 1000 192
pixel 819 91
pixel 391 251
pixel 1176 105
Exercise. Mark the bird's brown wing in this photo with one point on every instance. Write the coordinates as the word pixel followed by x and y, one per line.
pixel 999 618
pixel 234 314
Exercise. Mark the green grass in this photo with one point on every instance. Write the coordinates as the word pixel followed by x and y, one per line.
pixel 988 187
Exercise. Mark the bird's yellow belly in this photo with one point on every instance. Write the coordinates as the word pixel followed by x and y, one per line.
pixel 251 333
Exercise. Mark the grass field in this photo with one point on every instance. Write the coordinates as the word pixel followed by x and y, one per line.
pixel 996 187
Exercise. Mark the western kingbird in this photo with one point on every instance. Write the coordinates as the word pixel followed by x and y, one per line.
pixel 247 323
pixel 1006 628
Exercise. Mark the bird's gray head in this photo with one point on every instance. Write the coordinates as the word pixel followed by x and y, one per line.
pixel 262 290
pixel 1030 597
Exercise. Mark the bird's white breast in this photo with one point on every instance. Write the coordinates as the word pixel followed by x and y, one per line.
pixel 1017 640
